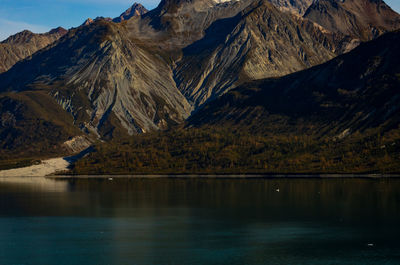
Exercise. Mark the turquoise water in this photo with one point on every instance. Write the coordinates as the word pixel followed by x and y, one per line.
pixel 199 221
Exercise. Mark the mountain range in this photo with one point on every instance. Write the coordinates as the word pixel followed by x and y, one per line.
pixel 326 66
pixel 352 92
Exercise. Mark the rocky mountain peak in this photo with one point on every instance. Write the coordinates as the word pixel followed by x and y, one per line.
pixel 136 9
pixel 19 37
pixel 90 21
pixel 87 22
pixel 58 30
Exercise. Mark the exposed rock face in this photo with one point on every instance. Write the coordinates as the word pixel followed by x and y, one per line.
pixel 363 19
pixel 77 144
pixel 24 44
pixel 257 43
pixel 355 91
pixel 296 7
pixel 107 79
pixel 135 10
pixel 104 81
pixel 216 46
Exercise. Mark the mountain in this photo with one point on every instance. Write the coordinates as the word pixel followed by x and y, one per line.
pixel 104 81
pixel 259 42
pixel 351 93
pixel 112 81
pixel 151 72
pixel 216 46
pixel 24 44
pixel 231 70
pixel 362 19
pixel 135 10
pixel 339 117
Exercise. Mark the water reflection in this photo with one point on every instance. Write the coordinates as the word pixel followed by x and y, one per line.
pixel 198 221
pixel 32 183
pixel 297 198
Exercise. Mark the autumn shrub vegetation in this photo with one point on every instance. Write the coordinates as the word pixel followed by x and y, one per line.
pixel 226 151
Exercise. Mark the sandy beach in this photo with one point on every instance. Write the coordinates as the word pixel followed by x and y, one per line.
pixel 46 167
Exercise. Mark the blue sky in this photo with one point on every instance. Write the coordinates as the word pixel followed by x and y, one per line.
pixel 43 15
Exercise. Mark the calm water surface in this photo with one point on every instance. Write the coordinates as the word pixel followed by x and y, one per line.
pixel 199 221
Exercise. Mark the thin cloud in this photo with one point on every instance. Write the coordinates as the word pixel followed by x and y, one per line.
pixel 9 28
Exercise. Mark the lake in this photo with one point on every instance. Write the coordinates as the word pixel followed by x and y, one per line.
pixel 199 221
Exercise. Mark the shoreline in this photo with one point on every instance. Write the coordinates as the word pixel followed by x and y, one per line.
pixel 57 168
pixel 229 176
pixel 45 168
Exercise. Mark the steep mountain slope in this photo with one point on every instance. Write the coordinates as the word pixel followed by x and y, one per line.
pixel 363 19
pixel 259 42
pixel 105 81
pixel 108 77
pixel 352 92
pixel 216 46
pixel 135 10
pixel 24 44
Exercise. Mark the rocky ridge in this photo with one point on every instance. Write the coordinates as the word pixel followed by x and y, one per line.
pixel 24 44
pixel 135 10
